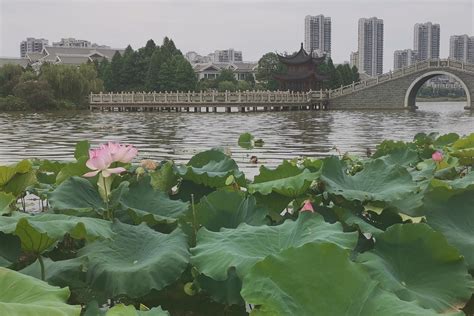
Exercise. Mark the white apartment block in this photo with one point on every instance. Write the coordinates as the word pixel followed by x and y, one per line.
pixel 354 59
pixel 371 46
pixel 317 35
pixel 426 40
pixel 227 56
pixel 404 58
pixel 461 47
pixel 32 45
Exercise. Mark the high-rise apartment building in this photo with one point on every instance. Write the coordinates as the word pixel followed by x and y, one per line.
pixel 426 40
pixel 317 34
pixel 371 46
pixel 227 56
pixel 32 45
pixel 461 47
pixel 354 59
pixel 72 42
pixel 404 58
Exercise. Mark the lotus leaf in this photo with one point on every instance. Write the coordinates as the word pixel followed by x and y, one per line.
pixel 242 247
pixel 287 179
pixel 378 181
pixel 76 194
pixel 136 261
pixel 22 295
pixel 228 209
pixel 147 204
pixel 211 168
pixel 417 264
pixel 451 212
pixel 326 282
pixel 41 232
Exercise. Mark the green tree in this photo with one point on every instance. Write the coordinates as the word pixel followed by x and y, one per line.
pixel 114 81
pixel 130 76
pixel 268 66
pixel 226 75
pixel 9 77
pixel 37 94
pixel 152 81
pixel 226 86
pixel 244 85
pixel 355 74
pixel 184 77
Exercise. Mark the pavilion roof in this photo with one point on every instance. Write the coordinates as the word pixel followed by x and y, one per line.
pixel 300 57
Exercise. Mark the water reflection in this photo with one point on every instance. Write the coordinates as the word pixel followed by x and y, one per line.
pixel 179 135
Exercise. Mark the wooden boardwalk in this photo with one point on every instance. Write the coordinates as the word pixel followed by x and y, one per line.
pixel 244 101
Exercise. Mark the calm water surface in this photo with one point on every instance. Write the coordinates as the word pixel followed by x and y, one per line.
pixel 180 135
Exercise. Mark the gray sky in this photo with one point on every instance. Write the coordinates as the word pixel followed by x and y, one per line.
pixel 255 27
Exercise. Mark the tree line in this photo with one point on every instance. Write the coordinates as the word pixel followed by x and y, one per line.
pixel 53 87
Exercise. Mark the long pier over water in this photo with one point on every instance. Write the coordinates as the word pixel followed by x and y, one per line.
pixel 212 101
pixel 393 90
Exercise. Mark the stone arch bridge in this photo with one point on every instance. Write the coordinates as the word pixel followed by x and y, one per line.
pixel 398 89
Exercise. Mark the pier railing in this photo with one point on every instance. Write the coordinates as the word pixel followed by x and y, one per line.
pixel 210 98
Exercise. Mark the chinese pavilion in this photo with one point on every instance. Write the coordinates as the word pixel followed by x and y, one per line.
pixel 301 72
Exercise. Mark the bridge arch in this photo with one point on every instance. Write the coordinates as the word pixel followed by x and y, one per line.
pixel 410 95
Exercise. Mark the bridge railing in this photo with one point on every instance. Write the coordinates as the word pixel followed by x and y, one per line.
pixel 433 63
pixel 206 97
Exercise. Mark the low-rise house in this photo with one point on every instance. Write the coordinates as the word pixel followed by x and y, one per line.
pixel 211 70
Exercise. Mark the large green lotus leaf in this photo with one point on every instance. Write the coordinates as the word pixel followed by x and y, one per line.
pixel 147 204
pixel 164 179
pixel 22 295
pixel 402 156
pixel 242 247
pixel 211 168
pixel 287 179
pixel 136 261
pixel 319 279
pixel 129 310
pixel 465 156
pixel 225 292
pixel 228 209
pixel 41 232
pixel 451 212
pixel 376 182
pixel 82 149
pixel 446 139
pixel 8 172
pixel 73 169
pixel 10 249
pixel 76 194
pixel 19 182
pixel 464 142
pixel 6 200
pixel 418 264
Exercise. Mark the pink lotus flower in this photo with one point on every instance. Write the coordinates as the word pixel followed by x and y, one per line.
pixel 437 156
pixel 121 153
pixel 307 207
pixel 100 159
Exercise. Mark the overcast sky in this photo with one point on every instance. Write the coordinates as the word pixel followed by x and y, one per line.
pixel 255 27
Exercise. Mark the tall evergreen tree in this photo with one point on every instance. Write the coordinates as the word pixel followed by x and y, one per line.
pixel 115 82
pixel 152 81
pixel 130 75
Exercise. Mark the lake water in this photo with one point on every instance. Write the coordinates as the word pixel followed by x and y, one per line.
pixel 179 136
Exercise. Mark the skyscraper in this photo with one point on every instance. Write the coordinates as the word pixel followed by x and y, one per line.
pixel 354 59
pixel 317 34
pixel 32 45
pixel 461 47
pixel 371 46
pixel 426 40
pixel 404 58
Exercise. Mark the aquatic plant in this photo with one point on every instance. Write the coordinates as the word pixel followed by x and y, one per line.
pixel 387 235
